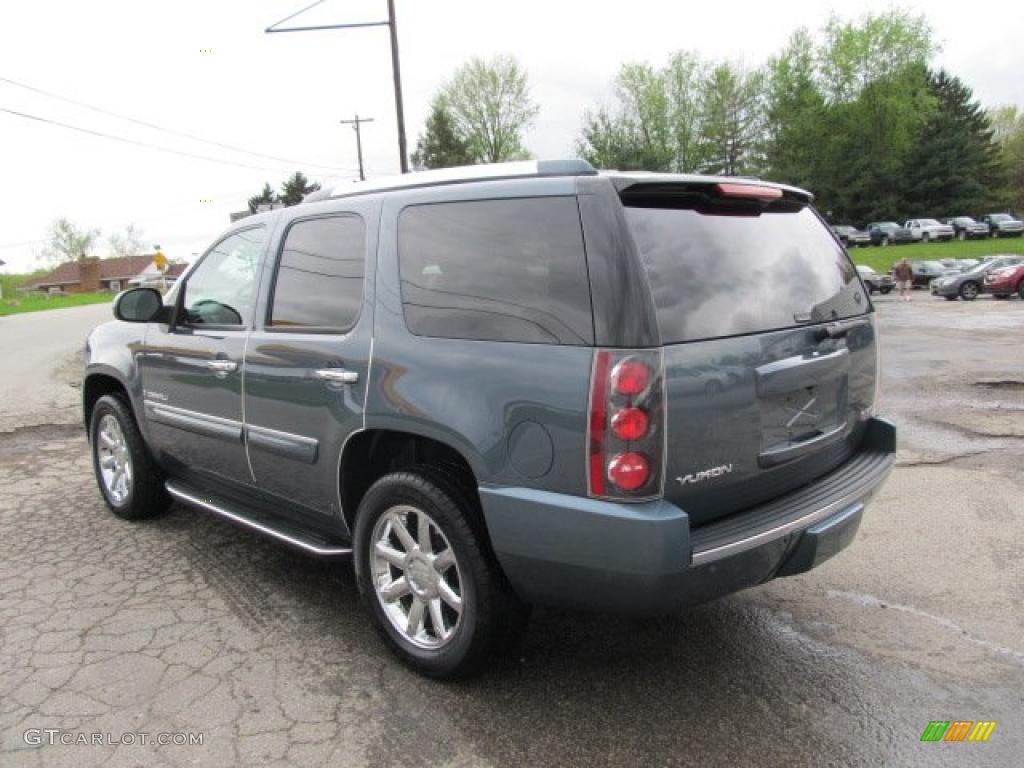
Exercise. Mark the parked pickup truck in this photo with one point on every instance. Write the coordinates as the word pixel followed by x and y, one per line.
pixel 928 229
pixel 966 228
pixel 1003 225
pixel 430 376
pixel 888 233
pixel 851 237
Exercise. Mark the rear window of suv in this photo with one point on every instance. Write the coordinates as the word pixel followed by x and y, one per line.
pixel 496 270
pixel 714 275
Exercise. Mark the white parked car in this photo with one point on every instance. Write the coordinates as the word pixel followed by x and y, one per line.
pixel 929 229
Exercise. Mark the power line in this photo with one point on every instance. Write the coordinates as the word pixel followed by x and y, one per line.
pixel 161 128
pixel 136 143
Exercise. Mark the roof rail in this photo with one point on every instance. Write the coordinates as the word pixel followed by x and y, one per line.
pixel 458 175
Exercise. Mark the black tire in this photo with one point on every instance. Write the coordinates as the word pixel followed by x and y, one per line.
pixel 969 291
pixel 949 298
pixel 961 235
pixel 925 237
pixel 1000 295
pixel 884 242
pixel 491 615
pixel 146 496
pixel 884 291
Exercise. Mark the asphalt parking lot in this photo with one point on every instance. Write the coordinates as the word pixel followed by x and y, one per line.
pixel 189 625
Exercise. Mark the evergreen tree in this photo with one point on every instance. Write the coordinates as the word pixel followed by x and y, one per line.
pixel 296 188
pixel 954 166
pixel 265 197
pixel 440 145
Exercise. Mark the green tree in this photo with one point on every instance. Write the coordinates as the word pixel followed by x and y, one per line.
pixel 440 145
pixel 794 114
pixel 954 166
pixel 732 119
pixel 127 243
pixel 875 81
pixel 1008 128
pixel 491 106
pixel 655 122
pixel 66 242
pixel 295 188
pixel 266 197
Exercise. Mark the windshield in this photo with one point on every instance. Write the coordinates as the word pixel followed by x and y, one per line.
pixel 932 265
pixel 716 275
pixel 965 221
pixel 1001 217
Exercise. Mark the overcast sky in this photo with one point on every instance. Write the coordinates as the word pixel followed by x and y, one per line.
pixel 282 95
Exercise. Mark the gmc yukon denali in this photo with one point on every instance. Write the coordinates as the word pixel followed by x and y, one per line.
pixel 509 385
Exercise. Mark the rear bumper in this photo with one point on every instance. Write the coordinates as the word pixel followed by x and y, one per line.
pixel 645 559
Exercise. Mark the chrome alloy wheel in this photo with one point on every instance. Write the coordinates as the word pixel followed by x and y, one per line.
pixel 416 576
pixel 114 459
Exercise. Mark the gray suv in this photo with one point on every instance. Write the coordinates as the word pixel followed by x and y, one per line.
pixel 508 385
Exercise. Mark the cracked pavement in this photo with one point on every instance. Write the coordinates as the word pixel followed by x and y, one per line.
pixel 188 624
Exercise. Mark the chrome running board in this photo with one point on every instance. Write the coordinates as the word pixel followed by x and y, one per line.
pixel 309 542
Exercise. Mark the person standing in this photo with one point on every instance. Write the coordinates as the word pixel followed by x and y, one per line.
pixel 904 279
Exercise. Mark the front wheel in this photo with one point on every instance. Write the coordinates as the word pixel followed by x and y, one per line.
pixel 969 291
pixel 885 291
pixel 129 479
pixel 424 573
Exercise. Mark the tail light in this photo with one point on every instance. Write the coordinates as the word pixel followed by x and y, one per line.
pixel 626 432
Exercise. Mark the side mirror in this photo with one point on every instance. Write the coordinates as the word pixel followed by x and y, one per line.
pixel 139 305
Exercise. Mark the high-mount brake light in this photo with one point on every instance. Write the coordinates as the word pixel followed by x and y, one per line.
pixel 749 191
pixel 625 435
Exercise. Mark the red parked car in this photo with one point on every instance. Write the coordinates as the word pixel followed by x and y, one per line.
pixel 1005 281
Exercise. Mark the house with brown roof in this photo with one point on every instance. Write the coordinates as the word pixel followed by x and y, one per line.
pixel 91 274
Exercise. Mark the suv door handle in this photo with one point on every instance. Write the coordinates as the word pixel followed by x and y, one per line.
pixel 222 366
pixel 337 375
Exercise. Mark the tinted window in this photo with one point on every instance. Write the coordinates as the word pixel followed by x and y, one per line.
pixel 718 275
pixel 503 270
pixel 221 289
pixel 319 283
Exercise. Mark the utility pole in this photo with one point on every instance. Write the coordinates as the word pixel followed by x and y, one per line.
pixel 396 73
pixel 359 141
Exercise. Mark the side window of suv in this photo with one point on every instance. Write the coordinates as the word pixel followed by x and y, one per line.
pixel 221 290
pixel 497 270
pixel 319 282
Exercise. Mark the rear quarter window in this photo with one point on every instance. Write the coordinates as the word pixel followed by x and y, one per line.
pixel 496 270
pixel 715 275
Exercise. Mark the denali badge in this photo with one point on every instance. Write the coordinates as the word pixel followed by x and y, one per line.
pixel 724 469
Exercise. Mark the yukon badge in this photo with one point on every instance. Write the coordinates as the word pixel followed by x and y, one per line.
pixel 705 474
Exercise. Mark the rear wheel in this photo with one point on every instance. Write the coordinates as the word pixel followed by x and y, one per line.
pixel 969 291
pixel 885 241
pixel 926 237
pixel 424 572
pixel 961 235
pixel 129 479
